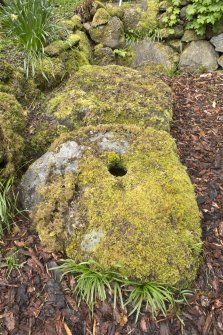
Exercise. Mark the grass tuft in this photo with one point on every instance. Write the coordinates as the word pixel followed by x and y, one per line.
pixel 93 283
pixel 29 24
pixel 8 207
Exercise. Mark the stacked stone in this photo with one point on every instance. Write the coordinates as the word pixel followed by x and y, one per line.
pixel 112 189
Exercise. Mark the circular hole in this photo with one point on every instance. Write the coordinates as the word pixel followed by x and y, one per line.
pixel 117 170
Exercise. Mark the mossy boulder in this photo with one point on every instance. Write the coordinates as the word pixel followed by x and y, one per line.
pixel 13 81
pixel 112 94
pixel 12 125
pixel 110 35
pixel 103 55
pixel 101 17
pixel 121 197
pixel 50 72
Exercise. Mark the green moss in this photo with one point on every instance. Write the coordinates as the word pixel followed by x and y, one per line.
pixel 101 17
pixel 76 21
pixel 115 11
pixel 84 44
pixel 50 72
pixel 6 71
pixel 148 220
pixel 71 41
pixel 55 48
pixel 14 81
pixel 43 135
pixel 74 59
pixel 12 124
pixel 148 19
pixel 112 94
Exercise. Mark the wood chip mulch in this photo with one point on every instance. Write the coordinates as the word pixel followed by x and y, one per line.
pixel 33 300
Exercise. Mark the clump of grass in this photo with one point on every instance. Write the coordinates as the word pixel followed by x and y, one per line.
pixel 93 283
pixel 29 24
pixel 11 263
pixel 8 207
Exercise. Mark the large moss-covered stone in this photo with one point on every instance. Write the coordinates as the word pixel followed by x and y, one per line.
pixel 119 196
pixel 112 94
pixel 12 124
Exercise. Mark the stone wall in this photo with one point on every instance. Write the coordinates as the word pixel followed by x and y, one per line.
pixel 135 34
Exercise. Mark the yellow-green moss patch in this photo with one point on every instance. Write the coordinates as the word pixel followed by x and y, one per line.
pixel 112 94
pixel 12 124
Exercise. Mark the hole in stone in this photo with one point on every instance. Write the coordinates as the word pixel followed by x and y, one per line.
pixel 117 170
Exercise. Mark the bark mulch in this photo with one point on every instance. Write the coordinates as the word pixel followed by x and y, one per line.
pixel 34 301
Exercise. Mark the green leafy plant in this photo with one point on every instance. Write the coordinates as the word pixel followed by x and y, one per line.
pixel 8 207
pixel 121 52
pixel 11 263
pixel 202 13
pixel 93 283
pixel 29 24
pixel 171 16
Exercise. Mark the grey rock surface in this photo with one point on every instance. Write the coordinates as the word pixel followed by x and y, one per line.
pixel 217 41
pixel 148 51
pixel 64 160
pixel 198 56
pixel 58 163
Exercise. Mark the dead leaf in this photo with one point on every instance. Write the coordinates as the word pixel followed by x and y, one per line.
pixel 10 321
pixel 144 324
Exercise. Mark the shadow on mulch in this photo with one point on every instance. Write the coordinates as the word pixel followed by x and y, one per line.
pixel 33 301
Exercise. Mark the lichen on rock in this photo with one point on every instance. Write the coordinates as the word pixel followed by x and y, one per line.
pixel 119 196
pixel 12 124
pixel 112 94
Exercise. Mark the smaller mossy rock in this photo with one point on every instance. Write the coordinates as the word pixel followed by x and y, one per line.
pixel 49 73
pixel 110 35
pixel 148 51
pixel 131 17
pixel 197 57
pixel 121 197
pixel 101 17
pixel 176 45
pixel 73 60
pixel 72 40
pixel 220 61
pixel 115 11
pixel 103 55
pixel 112 94
pixel 76 19
pixel 12 125
pixel 84 44
pixel 55 48
pixel 217 41
pixel 68 24
pixel 190 35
